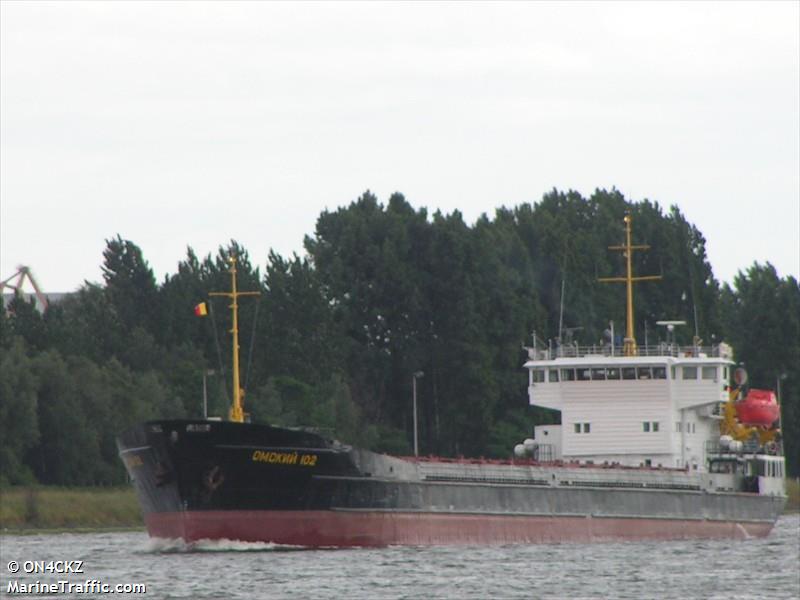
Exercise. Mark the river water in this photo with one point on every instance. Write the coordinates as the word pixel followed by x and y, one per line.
pixel 756 568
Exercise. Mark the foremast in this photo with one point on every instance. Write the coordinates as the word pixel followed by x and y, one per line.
pixel 236 412
pixel 629 347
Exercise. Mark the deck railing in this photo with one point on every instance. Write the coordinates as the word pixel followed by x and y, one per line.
pixel 714 449
pixel 659 350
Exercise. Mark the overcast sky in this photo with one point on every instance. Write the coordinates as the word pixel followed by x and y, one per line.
pixel 190 124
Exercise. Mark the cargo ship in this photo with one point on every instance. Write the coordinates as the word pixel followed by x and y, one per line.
pixel 655 443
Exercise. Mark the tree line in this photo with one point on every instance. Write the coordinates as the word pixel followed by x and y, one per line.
pixel 382 291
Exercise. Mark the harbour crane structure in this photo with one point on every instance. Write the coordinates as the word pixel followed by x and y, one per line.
pixel 18 279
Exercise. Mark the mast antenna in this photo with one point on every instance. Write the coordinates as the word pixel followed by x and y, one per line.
pixel 629 347
pixel 563 285
pixel 561 310
pixel 236 412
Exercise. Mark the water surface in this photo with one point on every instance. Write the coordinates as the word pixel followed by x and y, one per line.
pixel 725 570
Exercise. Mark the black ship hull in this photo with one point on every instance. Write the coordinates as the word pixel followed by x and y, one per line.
pixel 220 480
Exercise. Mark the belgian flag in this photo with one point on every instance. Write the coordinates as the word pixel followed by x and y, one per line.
pixel 201 310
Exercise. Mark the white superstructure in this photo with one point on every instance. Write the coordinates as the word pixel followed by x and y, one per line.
pixel 660 408
pixel 665 406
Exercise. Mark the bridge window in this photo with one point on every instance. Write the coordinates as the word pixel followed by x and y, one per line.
pixel 598 373
pixel 584 374
pixel 659 372
pixel 538 375
pixel 722 466
pixel 690 372
pixel 629 372
pixel 643 373
pixel 553 374
pixel 567 374
pixel 612 373
pixel 710 373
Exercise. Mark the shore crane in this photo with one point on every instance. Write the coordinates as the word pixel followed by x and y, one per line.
pixel 24 273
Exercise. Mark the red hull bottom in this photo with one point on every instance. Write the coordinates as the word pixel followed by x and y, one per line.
pixel 346 528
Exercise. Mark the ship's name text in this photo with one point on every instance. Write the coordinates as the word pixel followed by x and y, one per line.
pixel 284 458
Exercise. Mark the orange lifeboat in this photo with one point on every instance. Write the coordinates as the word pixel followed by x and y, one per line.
pixel 759 408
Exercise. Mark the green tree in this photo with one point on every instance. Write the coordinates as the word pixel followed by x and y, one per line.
pixel 25 321
pixel 178 296
pixel 130 285
pixel 299 335
pixel 86 324
pixel 68 453
pixel 20 432
pixel 368 259
pixel 761 313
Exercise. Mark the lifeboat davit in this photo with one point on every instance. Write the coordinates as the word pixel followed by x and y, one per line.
pixel 759 408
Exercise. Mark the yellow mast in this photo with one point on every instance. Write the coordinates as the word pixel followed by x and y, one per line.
pixel 629 348
pixel 236 412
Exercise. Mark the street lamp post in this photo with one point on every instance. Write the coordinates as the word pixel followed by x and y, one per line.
pixel 206 374
pixel 780 378
pixel 414 378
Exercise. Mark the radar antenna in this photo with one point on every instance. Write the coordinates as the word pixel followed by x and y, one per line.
pixel 670 325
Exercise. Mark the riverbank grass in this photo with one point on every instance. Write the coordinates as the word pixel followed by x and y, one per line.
pixel 40 507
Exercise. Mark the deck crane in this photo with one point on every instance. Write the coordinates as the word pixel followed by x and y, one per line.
pixel 21 275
